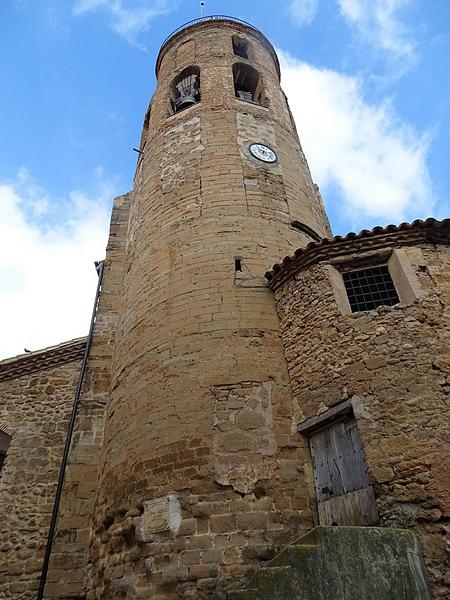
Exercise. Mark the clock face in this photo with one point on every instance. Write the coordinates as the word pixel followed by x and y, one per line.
pixel 264 153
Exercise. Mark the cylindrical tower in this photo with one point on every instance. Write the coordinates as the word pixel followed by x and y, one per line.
pixel 199 466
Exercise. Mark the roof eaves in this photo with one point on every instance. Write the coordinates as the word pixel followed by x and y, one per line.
pixel 23 364
pixel 430 230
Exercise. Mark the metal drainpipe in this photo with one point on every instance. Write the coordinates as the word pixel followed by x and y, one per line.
pixel 51 532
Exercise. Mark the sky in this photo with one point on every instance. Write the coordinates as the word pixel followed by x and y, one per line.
pixel 367 80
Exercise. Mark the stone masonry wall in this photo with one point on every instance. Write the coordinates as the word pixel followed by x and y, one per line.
pixel 70 557
pixel 397 362
pixel 201 473
pixel 36 398
pixel 35 408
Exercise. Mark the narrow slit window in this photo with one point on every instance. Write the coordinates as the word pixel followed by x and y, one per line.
pixel 369 288
pixel 185 90
pixel 240 47
pixel 237 265
pixel 247 84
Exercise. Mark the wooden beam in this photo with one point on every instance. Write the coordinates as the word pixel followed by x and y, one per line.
pixel 325 418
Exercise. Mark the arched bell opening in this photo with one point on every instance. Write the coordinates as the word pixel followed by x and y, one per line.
pixel 185 89
pixel 248 84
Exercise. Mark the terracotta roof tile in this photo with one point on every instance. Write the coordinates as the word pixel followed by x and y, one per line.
pixel 23 364
pixel 429 230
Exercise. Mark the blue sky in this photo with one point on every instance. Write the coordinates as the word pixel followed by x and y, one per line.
pixel 368 82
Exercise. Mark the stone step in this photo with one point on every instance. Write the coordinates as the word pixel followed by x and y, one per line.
pixel 293 555
pixel 343 563
pixel 275 583
pixel 266 581
pixel 243 595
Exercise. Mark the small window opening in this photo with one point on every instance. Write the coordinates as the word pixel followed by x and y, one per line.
pixel 237 265
pixel 5 441
pixel 240 47
pixel 369 288
pixel 185 91
pixel 247 83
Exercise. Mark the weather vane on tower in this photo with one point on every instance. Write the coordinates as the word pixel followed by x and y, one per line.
pixel 202 8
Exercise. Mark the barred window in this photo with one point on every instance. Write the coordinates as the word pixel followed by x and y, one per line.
pixel 369 288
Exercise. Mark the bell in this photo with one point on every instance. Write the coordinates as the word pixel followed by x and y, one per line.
pixel 185 102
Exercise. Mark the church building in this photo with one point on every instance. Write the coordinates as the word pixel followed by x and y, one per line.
pixel 260 409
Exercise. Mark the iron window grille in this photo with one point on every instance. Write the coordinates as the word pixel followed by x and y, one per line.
pixel 369 288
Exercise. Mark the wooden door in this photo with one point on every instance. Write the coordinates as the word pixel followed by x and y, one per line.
pixel 344 495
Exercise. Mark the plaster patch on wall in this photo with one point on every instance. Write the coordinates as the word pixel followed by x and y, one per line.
pixel 243 434
pixel 243 478
pixel 182 148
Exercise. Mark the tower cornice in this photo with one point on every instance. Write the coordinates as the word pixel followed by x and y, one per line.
pixel 223 21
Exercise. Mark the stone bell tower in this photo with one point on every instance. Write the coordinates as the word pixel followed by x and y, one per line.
pixel 199 467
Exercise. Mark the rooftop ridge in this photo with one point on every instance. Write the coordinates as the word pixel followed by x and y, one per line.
pixel 23 364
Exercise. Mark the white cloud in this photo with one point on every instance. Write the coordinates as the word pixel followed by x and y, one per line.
pixel 377 162
pixel 379 22
pixel 303 11
pixel 128 17
pixel 47 276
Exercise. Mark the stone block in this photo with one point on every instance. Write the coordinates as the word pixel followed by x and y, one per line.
pixel 187 527
pixel 200 542
pixel 203 571
pixel 202 509
pixel 174 574
pixel 252 521
pixel 223 523
pixel 212 556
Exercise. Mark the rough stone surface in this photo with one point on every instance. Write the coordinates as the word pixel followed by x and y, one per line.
pixel 200 404
pixel 35 408
pixel 396 361
pixel 187 394
pixel 343 562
